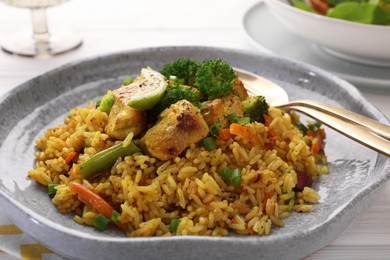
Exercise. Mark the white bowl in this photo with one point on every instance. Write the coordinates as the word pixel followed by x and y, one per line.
pixel 363 43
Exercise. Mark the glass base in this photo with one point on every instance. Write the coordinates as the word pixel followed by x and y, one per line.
pixel 23 43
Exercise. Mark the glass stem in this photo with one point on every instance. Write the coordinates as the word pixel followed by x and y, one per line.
pixel 39 22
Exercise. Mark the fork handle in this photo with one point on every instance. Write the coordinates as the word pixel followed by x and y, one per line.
pixel 356 132
pixel 376 127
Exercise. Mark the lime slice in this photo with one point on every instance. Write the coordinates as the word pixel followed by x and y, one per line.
pixel 145 93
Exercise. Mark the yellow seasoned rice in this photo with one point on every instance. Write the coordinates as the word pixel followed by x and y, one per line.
pixel 149 193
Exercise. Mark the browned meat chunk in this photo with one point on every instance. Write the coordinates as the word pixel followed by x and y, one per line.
pixel 178 127
pixel 239 89
pixel 219 109
pixel 123 119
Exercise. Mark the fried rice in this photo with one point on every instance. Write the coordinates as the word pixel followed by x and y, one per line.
pixel 149 193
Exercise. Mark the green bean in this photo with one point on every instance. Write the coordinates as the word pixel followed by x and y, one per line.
pixel 105 159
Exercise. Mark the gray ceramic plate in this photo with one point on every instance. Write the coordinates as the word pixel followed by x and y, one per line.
pixel 356 172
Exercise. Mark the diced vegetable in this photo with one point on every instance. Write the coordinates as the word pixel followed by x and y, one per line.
pixel 225 134
pixel 236 177
pixel 115 216
pixel 244 132
pixel 105 159
pixel 314 130
pixel 209 143
pixel 101 222
pixel 244 120
pixel 226 173
pixel 267 120
pixel 271 130
pixel 70 157
pixel 234 118
pixel 214 130
pixel 52 189
pixel 232 176
pixel 101 205
pixel 314 126
pixel 302 127
pixel 318 141
pixel 174 224
pixel 93 199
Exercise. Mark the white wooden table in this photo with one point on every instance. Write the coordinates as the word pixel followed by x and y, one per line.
pixel 112 25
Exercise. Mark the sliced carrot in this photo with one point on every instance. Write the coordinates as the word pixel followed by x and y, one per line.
pixel 310 133
pixel 319 137
pixel 267 119
pixel 274 136
pixel 272 132
pixel 243 131
pixel 70 157
pixel 236 129
pixel 224 134
pixel 93 199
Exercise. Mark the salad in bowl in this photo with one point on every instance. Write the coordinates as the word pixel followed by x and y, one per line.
pixel 354 31
pixel 361 11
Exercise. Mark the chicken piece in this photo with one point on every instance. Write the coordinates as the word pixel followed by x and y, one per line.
pixel 177 128
pixel 143 94
pixel 239 89
pixel 123 119
pixel 219 109
pixel 213 112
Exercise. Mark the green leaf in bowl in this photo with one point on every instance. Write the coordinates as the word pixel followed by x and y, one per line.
pixel 352 11
pixel 304 6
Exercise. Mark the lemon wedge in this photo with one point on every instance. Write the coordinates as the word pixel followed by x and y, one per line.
pixel 143 94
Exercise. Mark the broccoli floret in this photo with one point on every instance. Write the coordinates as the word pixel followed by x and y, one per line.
pixel 214 78
pixel 174 93
pixel 183 69
pixel 255 107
